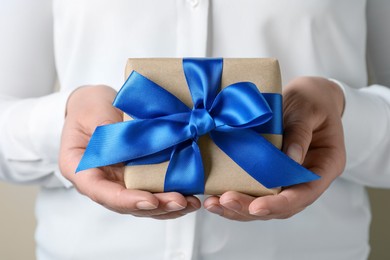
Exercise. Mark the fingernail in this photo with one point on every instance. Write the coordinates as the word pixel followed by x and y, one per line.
pixel 193 203
pixel 215 209
pixel 145 205
pixel 295 151
pixel 173 206
pixel 261 212
pixel 232 204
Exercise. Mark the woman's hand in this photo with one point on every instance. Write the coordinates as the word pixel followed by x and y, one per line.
pixel 87 108
pixel 313 136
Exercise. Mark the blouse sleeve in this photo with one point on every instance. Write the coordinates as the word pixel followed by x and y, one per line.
pixel 366 118
pixel 31 114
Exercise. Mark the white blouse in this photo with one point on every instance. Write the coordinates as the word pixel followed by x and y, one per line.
pixel 83 42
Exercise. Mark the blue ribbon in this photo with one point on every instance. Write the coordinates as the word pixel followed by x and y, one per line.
pixel 166 129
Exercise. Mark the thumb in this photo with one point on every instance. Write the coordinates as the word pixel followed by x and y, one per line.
pixel 296 140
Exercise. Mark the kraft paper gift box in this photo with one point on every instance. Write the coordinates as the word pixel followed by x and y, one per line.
pixel 221 172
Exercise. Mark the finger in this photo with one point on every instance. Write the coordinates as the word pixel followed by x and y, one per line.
pixel 298 121
pixel 113 195
pixel 236 202
pixel 285 204
pixel 171 204
pixel 213 205
pixel 296 139
pixel 193 204
pixel 171 201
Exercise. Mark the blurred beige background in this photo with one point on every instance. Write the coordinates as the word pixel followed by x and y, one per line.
pixel 17 223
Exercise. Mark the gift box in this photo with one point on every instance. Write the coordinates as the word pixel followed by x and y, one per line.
pixel 222 173
pixel 200 126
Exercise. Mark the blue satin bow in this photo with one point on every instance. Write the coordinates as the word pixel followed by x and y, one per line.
pixel 166 129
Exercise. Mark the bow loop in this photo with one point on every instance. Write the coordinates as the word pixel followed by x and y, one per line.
pixel 141 98
pixel 240 105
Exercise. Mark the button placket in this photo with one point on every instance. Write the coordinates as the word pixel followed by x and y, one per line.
pixel 192 27
pixel 180 237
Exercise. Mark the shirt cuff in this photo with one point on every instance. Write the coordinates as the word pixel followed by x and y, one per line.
pixel 31 136
pixel 366 125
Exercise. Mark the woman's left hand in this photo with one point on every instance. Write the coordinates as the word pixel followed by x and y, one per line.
pixel 313 136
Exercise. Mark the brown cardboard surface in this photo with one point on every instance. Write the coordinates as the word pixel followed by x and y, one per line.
pixel 222 174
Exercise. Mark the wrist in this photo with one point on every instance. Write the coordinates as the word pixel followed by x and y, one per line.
pixel 339 92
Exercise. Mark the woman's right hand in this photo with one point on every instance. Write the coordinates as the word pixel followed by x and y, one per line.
pixel 87 108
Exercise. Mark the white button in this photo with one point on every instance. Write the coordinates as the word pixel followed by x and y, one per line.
pixel 194 3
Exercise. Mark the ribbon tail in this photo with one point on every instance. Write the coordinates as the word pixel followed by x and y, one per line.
pixel 260 159
pixel 185 173
pixel 126 141
pixel 240 105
